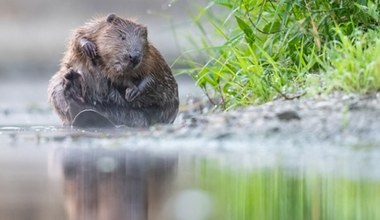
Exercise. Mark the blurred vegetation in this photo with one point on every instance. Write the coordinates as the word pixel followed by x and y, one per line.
pixel 259 49
pixel 275 193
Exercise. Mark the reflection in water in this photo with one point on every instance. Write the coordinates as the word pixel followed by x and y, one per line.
pixel 106 185
pixel 278 193
pixel 103 183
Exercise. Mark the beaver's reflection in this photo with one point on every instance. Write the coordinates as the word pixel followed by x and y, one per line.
pixel 115 185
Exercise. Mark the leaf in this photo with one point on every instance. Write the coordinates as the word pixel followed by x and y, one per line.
pixel 226 3
pixel 249 36
pixel 371 10
pixel 272 27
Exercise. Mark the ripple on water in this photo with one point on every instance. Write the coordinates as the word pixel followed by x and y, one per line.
pixel 10 128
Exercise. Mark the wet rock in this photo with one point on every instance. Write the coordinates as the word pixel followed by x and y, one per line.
pixel 354 106
pixel 288 115
pixel 195 122
pixel 274 130
pixel 223 135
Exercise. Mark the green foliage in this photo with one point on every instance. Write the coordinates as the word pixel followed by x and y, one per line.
pixel 257 49
pixel 353 65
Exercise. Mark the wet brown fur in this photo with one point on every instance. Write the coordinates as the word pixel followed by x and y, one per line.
pixel 102 81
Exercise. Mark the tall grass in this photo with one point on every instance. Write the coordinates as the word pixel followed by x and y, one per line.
pixel 257 49
pixel 353 63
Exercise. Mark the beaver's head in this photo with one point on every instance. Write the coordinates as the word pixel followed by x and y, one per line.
pixel 121 45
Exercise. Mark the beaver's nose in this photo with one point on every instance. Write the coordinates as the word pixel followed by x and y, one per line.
pixel 135 59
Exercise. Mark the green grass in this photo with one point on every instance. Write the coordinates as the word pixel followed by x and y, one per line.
pixel 267 194
pixel 353 65
pixel 255 50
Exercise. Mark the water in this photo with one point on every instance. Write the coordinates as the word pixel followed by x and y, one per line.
pixel 57 173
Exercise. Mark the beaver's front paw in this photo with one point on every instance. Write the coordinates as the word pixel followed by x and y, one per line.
pixel 72 85
pixel 88 48
pixel 131 93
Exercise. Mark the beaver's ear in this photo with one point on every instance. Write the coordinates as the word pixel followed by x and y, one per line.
pixel 144 32
pixel 111 18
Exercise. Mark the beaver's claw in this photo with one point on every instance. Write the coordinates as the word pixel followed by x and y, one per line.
pixel 73 85
pixel 88 48
pixel 131 93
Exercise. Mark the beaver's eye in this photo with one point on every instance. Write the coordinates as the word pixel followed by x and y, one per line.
pixel 122 36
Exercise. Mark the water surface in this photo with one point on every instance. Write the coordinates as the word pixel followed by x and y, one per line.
pixel 60 173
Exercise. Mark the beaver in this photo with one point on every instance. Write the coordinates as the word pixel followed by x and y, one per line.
pixel 112 68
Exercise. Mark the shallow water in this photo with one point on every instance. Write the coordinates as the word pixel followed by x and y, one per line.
pixel 59 173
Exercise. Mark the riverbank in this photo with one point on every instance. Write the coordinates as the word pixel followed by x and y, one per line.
pixel 335 117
